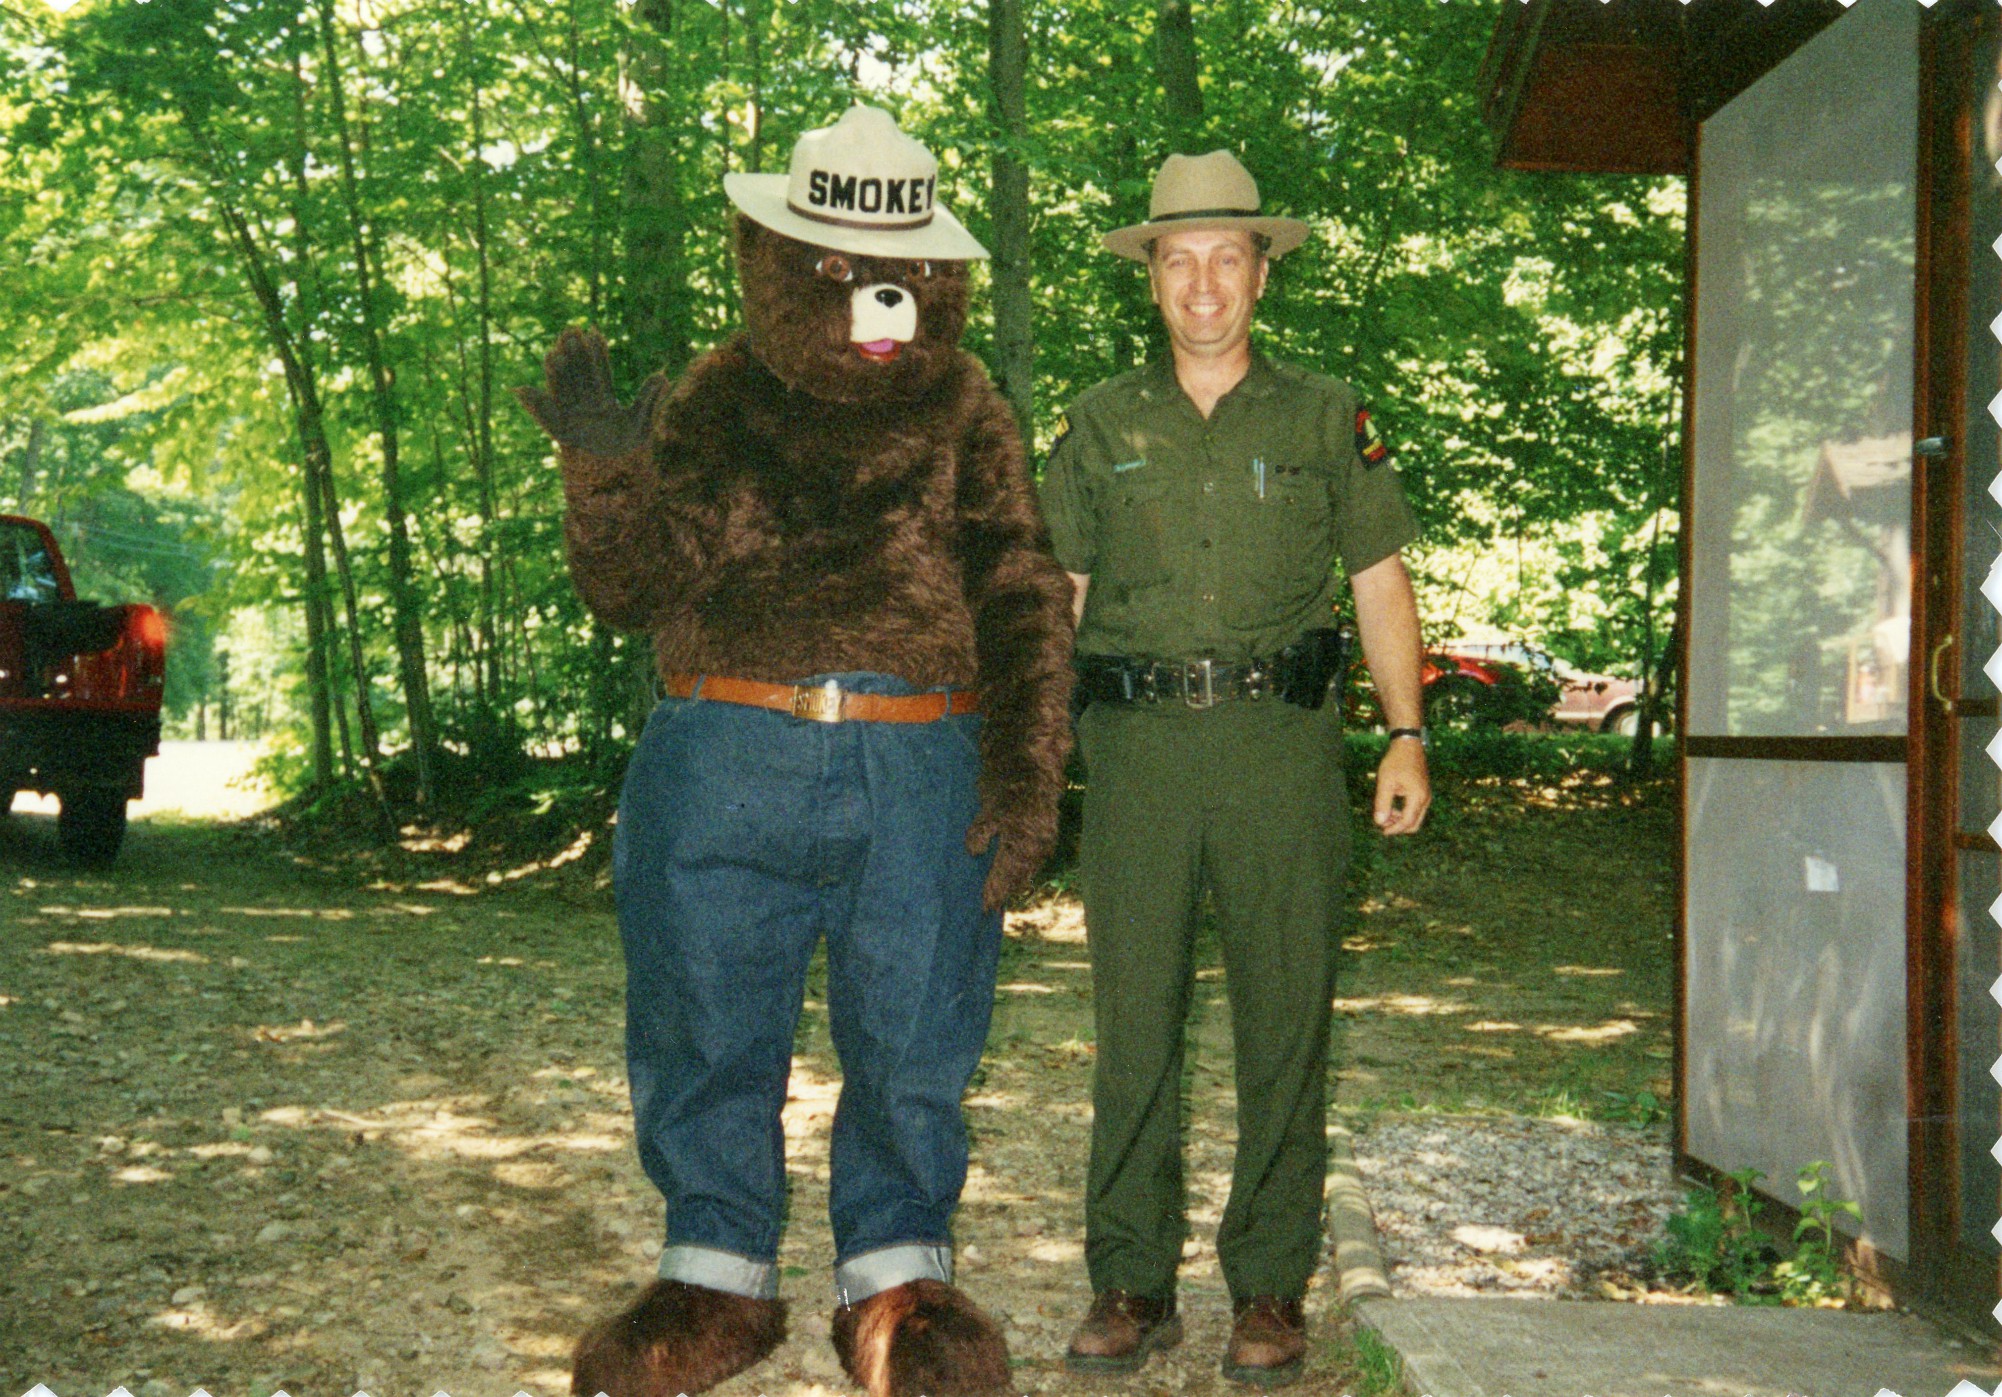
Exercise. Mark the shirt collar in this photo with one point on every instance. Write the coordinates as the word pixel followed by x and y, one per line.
pixel 1259 380
pixel 1158 379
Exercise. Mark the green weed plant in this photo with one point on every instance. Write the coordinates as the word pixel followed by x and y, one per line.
pixel 1813 1275
pixel 1712 1242
pixel 1714 1245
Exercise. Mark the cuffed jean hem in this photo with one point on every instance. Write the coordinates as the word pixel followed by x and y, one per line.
pixel 720 1270
pixel 859 1277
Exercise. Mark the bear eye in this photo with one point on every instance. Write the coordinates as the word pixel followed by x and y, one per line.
pixel 835 268
pixel 924 271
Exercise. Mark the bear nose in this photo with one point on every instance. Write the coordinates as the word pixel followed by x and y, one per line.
pixel 890 296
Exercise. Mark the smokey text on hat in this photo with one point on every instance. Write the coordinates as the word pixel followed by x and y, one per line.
pixel 837 192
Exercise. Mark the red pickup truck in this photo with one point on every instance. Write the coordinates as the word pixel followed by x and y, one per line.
pixel 80 688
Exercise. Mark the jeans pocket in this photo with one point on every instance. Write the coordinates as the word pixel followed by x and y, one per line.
pixel 965 728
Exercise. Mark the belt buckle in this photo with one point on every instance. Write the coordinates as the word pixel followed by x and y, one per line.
pixel 818 703
pixel 1206 697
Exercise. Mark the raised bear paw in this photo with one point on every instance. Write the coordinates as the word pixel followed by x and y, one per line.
pixel 676 1338
pixel 921 1339
pixel 579 409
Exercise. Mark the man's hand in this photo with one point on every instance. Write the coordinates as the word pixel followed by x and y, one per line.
pixel 1403 787
pixel 1387 614
pixel 579 408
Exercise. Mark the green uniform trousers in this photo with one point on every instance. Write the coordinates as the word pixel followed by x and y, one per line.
pixel 1246 798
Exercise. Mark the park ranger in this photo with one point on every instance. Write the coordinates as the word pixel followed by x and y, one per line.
pixel 1199 504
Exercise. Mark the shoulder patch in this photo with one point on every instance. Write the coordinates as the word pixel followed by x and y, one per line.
pixel 1369 442
pixel 1063 431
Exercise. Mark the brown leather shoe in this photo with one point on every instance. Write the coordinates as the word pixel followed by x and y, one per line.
pixel 1268 1344
pixel 1120 1331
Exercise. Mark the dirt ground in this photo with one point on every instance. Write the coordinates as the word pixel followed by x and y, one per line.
pixel 276 1118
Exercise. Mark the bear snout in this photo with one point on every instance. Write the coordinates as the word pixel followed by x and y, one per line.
pixel 880 312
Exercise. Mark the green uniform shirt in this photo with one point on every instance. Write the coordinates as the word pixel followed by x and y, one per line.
pixel 1216 537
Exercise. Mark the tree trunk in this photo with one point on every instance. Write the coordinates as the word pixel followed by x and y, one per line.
pixel 406 624
pixel 315 450
pixel 31 460
pixel 471 639
pixel 483 454
pixel 371 736
pixel 1138 318
pixel 318 703
pixel 754 38
pixel 312 435
pixel 604 685
pixel 1014 338
pixel 1640 761
pixel 587 147
pixel 658 332
pixel 1176 66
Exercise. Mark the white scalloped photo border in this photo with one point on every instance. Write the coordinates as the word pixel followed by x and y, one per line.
pixel 1992 590
pixel 38 1390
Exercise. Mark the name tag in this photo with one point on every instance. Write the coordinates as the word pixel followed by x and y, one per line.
pixel 1129 465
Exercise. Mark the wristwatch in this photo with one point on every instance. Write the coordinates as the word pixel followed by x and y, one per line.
pixel 1424 737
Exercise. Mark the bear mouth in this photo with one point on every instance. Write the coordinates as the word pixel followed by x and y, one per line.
pixel 878 351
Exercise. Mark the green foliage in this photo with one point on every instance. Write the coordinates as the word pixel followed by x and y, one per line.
pixel 1488 754
pixel 177 219
pixel 1813 1275
pixel 1381 1364
pixel 1638 1109
pixel 1713 1244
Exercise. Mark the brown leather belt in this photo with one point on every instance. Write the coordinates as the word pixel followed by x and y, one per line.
pixel 826 703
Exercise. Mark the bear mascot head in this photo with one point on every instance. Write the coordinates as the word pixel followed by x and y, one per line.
pixel 879 321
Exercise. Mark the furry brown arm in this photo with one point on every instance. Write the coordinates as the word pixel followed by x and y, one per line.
pixel 613 523
pixel 1023 627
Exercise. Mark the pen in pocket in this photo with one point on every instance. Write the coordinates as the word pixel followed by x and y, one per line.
pixel 1258 474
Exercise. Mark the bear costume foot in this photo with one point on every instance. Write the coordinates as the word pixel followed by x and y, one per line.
pixel 921 1339
pixel 676 1338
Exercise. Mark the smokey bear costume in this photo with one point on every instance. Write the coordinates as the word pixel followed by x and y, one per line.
pixel 828 528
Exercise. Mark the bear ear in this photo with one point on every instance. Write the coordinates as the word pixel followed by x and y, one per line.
pixel 765 248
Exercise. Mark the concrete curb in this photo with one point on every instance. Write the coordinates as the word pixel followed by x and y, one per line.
pixel 1352 1241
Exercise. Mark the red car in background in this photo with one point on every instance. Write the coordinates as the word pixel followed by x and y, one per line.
pixel 80 690
pixel 1499 683
pixel 1600 702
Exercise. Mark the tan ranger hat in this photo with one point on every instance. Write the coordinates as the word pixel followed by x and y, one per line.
pixel 860 185
pixel 1205 191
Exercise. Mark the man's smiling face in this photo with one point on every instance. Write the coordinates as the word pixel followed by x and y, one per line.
pixel 1206 283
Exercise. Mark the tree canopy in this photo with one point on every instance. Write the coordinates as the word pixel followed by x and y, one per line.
pixel 272 265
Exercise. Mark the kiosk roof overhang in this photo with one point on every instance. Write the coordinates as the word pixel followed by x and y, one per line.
pixel 1616 86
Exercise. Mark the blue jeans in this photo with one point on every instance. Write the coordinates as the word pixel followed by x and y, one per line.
pixel 745 835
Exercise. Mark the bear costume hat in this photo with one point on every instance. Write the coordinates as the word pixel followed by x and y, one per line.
pixel 831 506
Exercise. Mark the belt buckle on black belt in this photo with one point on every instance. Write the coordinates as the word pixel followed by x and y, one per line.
pixel 1203 696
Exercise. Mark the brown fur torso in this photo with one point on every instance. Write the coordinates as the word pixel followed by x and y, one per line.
pixel 827 531
pixel 794 507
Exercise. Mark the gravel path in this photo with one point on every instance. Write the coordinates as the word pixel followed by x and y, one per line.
pixel 1515 1205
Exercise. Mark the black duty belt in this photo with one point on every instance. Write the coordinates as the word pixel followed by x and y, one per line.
pixel 1302 673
